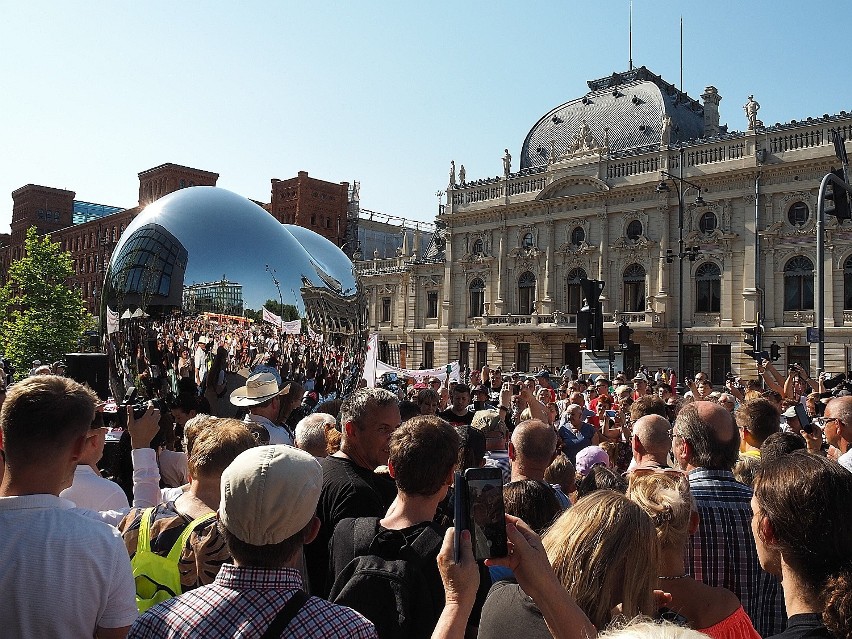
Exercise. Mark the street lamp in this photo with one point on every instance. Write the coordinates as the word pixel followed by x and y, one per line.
pixel 692 253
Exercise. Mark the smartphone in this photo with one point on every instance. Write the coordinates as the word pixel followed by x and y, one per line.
pixel 611 414
pixel 486 515
pixel 516 389
pixel 804 418
pixel 459 513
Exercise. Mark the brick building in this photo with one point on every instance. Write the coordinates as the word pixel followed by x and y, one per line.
pixel 90 231
pixel 311 203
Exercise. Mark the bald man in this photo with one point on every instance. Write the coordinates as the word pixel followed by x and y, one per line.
pixel 531 450
pixel 706 444
pixel 651 442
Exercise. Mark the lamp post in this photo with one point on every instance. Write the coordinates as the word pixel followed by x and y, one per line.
pixel 692 253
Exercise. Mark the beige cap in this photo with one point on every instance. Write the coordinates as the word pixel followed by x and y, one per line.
pixel 269 493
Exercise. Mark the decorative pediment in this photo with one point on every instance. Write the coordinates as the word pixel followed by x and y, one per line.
pixel 524 252
pixel 572 185
pixel 385 289
pixel 584 248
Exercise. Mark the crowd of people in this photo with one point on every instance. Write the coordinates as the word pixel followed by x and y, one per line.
pixel 631 510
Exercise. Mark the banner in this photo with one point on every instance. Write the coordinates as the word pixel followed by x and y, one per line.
pixel 111 321
pixel 419 375
pixel 272 318
pixel 291 328
pixel 372 360
pixel 316 337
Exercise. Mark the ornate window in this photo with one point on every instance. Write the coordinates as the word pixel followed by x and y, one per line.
pixel 634 288
pixel 386 309
pixel 708 222
pixel 432 304
pixel 708 288
pixel 578 236
pixel 574 299
pixel 847 284
pixel 634 230
pixel 799 284
pixel 478 248
pixel 477 298
pixel 528 241
pixel 798 214
pixel 526 293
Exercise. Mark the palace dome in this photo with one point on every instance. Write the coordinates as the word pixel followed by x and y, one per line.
pixel 623 111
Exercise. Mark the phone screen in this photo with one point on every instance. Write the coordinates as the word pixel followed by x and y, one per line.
pixel 516 389
pixel 486 515
pixel 611 414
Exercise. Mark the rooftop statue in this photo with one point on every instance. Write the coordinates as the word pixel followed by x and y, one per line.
pixel 751 108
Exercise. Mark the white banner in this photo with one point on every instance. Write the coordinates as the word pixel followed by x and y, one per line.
pixel 372 360
pixel 272 318
pixel 419 375
pixel 292 328
pixel 111 321
pixel 316 337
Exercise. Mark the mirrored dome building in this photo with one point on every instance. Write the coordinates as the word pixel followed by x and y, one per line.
pixel 206 250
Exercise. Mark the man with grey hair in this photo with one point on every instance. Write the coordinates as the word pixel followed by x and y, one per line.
pixel 706 444
pixel 651 442
pixel 838 426
pixel 350 487
pixel 310 433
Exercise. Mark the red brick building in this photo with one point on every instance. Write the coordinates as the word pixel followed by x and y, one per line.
pixel 89 232
pixel 314 204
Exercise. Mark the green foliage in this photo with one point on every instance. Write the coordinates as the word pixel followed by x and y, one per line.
pixel 40 317
pixel 288 312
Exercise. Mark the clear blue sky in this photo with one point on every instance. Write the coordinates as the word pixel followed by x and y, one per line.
pixel 384 92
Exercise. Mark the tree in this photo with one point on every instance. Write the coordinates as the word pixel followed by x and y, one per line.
pixel 40 317
pixel 288 312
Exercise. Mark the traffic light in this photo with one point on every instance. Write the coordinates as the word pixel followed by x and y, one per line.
pixel 752 338
pixel 624 333
pixel 590 317
pixel 774 352
pixel 840 197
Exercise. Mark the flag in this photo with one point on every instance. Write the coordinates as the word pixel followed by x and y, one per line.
pixel 272 318
pixel 420 375
pixel 372 359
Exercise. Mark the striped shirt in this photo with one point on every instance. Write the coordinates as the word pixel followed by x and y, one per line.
pixel 242 602
pixel 723 552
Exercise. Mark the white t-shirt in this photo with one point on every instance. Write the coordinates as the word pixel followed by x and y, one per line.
pixel 277 434
pixel 61 574
pixel 93 492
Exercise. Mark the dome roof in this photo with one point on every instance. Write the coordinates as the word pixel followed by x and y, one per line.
pixel 630 105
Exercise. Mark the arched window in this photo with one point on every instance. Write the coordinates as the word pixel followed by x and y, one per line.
pixel 708 222
pixel 578 236
pixel 574 300
pixel 478 248
pixel 799 284
pixel 528 241
pixel 708 288
pixel 798 214
pixel 634 289
pixel 634 230
pixel 477 298
pixel 526 293
pixel 847 284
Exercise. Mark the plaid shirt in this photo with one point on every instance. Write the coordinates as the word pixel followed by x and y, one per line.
pixel 242 602
pixel 723 553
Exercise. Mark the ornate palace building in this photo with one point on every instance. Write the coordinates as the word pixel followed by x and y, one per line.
pixel 500 281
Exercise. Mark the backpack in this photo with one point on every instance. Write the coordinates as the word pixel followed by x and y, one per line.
pixel 386 581
pixel 158 578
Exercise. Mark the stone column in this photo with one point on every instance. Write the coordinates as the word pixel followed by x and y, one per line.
pixel 547 306
pixel 603 265
pixel 501 263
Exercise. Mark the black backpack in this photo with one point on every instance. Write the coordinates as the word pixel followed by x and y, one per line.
pixel 386 581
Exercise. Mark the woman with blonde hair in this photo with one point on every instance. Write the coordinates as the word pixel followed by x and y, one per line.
pixel 716 612
pixel 604 553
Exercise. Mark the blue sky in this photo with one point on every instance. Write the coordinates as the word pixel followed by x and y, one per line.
pixel 386 93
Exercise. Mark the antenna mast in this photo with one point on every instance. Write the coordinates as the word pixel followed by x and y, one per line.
pixel 681 54
pixel 630 32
